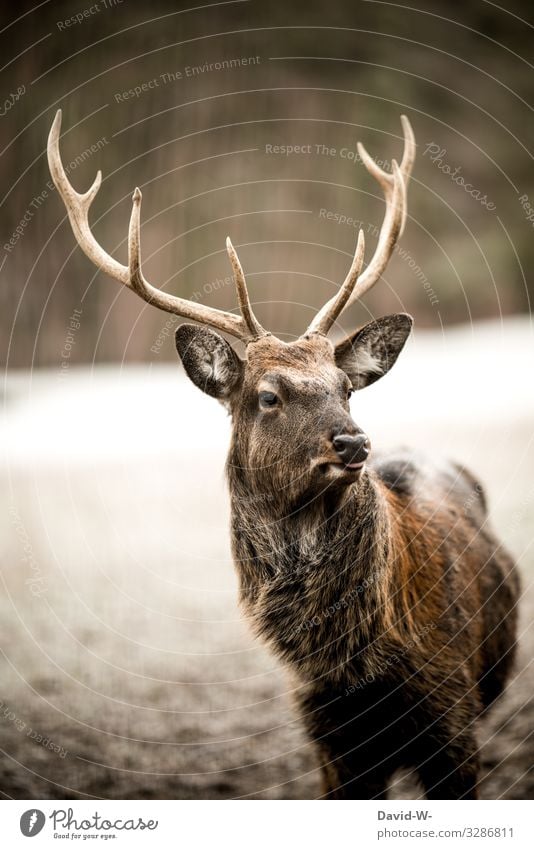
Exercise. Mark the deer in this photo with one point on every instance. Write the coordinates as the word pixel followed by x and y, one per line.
pixel 376 579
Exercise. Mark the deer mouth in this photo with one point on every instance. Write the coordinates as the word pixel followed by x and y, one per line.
pixel 338 469
pixel 353 467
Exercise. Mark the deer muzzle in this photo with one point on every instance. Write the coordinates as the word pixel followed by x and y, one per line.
pixel 352 450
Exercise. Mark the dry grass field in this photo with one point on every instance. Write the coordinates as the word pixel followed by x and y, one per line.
pixel 126 669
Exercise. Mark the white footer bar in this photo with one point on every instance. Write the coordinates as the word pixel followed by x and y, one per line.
pixel 267 824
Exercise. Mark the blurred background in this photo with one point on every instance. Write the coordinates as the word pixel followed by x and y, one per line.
pixel 126 669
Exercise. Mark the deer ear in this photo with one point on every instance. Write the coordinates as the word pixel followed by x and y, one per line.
pixel 373 349
pixel 210 362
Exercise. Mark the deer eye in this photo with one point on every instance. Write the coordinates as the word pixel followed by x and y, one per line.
pixel 350 391
pixel 268 399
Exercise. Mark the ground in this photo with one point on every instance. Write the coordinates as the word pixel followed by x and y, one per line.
pixel 126 668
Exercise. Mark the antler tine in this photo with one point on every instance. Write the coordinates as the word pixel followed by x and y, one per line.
pixel 131 275
pixel 385 179
pixel 78 205
pixel 326 317
pixel 394 186
pixel 389 235
pixel 250 319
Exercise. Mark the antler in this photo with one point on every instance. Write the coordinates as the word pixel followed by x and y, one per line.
pixel 395 187
pixel 245 327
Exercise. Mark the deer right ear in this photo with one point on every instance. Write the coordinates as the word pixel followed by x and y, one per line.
pixel 210 362
pixel 373 349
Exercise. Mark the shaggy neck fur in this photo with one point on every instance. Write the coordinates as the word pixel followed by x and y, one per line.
pixel 315 580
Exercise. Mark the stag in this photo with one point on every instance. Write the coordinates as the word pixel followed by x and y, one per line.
pixel 375 579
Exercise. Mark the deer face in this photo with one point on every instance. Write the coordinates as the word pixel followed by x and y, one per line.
pixel 292 429
pixel 293 432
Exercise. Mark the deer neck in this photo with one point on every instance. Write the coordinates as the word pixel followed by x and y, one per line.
pixel 317 577
pixel 346 535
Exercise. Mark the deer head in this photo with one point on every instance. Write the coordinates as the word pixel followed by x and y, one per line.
pixel 292 428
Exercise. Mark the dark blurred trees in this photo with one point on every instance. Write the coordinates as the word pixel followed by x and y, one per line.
pixel 327 74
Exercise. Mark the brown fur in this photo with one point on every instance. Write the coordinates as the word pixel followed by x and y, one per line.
pixel 385 593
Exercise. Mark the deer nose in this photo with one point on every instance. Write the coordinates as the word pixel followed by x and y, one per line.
pixel 352 450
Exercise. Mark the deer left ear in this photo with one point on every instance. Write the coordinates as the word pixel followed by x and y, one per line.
pixel 373 349
pixel 209 361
